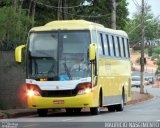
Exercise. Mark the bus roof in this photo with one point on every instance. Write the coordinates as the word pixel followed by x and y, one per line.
pixel 67 25
pixel 76 25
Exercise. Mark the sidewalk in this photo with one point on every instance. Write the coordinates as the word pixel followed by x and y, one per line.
pixel 137 97
pixel 156 84
pixel 12 113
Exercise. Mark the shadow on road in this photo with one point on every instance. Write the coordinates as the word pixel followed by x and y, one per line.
pixel 62 113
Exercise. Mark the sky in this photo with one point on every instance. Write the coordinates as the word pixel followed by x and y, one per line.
pixel 155 6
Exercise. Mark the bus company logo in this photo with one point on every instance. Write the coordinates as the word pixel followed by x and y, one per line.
pixel 57 87
pixel 30 81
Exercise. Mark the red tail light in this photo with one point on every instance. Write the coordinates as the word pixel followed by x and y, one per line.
pixel 33 90
pixel 84 88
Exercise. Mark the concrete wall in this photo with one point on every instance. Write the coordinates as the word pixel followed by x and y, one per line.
pixel 12 77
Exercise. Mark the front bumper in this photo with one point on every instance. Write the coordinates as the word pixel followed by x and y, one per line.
pixel 79 101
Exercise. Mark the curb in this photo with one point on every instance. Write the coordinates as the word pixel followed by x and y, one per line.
pixel 4 115
pixel 20 114
pixel 139 100
pixel 8 115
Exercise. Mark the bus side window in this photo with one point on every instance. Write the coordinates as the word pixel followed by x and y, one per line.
pixel 111 46
pixel 116 46
pixel 106 45
pixel 121 47
pixel 100 44
pixel 124 50
pixel 128 48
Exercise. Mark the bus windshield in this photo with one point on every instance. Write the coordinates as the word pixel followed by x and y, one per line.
pixel 59 55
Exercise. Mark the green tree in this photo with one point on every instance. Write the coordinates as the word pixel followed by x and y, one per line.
pixel 14 25
pixel 100 11
pixel 133 27
pixel 18 16
pixel 158 69
pixel 96 10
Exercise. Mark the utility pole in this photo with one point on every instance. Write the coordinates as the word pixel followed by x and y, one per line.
pixel 142 50
pixel 59 11
pixel 65 14
pixel 33 12
pixel 113 14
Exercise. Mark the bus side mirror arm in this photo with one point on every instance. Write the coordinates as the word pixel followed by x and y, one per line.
pixel 18 53
pixel 92 52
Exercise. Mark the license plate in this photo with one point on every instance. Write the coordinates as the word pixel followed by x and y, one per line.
pixel 58 101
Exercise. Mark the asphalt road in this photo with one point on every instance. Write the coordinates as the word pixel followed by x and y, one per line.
pixel 147 111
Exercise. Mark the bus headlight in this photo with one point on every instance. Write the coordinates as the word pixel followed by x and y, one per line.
pixel 33 90
pixel 30 93
pixel 84 88
pixel 33 93
pixel 85 91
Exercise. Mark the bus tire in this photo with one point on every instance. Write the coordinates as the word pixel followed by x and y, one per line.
pixel 42 112
pixel 96 110
pixel 120 106
pixel 69 110
pixel 111 108
pixel 77 110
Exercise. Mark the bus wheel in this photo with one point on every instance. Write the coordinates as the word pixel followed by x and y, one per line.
pixel 77 110
pixel 111 108
pixel 120 107
pixel 42 112
pixel 95 110
pixel 69 110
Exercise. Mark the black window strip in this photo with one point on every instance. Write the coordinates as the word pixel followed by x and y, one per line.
pixel 107 38
pixel 114 50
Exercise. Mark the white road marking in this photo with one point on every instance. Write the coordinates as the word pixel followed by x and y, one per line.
pixel 27 126
pixel 66 120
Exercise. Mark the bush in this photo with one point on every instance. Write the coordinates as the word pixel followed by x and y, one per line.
pixel 156 50
pixel 158 62
pixel 138 60
pixel 8 45
pixel 154 56
pixel 158 70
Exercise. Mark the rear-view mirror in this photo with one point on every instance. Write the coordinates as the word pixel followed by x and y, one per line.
pixel 92 52
pixel 18 53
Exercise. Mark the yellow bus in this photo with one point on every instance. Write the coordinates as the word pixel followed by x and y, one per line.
pixel 75 64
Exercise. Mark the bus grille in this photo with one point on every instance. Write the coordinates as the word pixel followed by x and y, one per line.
pixel 59 93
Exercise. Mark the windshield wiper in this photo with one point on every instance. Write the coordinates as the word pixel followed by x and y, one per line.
pixel 67 70
pixel 52 68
